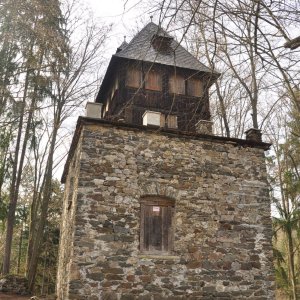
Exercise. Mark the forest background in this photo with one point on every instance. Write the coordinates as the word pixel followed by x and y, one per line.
pixel 52 58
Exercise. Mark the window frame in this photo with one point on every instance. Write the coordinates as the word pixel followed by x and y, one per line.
pixel 174 79
pixel 138 74
pixel 158 81
pixel 194 85
pixel 168 205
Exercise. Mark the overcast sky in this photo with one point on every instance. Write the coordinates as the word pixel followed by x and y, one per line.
pixel 126 17
pixel 126 20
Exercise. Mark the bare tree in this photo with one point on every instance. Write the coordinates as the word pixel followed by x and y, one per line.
pixel 71 85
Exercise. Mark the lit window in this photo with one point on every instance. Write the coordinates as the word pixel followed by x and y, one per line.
pixel 157 229
pixel 153 81
pixel 194 87
pixel 177 84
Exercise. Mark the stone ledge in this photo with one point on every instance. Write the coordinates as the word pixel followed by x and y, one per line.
pixel 172 133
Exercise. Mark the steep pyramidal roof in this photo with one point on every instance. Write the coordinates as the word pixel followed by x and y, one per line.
pixel 141 48
pixel 122 46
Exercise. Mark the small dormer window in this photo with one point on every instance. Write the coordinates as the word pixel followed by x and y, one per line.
pixel 162 43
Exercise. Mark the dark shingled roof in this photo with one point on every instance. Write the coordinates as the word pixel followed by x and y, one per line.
pixel 122 46
pixel 141 48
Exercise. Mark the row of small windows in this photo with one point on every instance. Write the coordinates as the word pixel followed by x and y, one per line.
pixel 153 81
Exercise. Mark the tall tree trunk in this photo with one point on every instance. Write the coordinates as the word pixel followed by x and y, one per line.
pixel 20 248
pixel 219 93
pixel 291 263
pixel 7 55
pixel 13 197
pixel 18 167
pixel 33 255
pixel 4 164
pixel 36 200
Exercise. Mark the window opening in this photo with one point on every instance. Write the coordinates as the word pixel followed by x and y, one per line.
pixel 133 78
pixel 195 87
pixel 153 81
pixel 177 84
pixel 156 228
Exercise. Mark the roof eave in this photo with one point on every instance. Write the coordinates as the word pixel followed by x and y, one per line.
pixel 105 81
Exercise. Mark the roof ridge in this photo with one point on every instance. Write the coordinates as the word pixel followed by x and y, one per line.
pixel 141 48
pixel 146 28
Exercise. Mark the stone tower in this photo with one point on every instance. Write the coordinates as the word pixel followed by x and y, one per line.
pixel 156 206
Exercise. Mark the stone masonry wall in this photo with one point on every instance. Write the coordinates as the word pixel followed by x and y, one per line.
pixel 67 229
pixel 222 247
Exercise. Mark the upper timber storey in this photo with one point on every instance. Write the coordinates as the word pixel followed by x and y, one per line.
pixel 141 48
